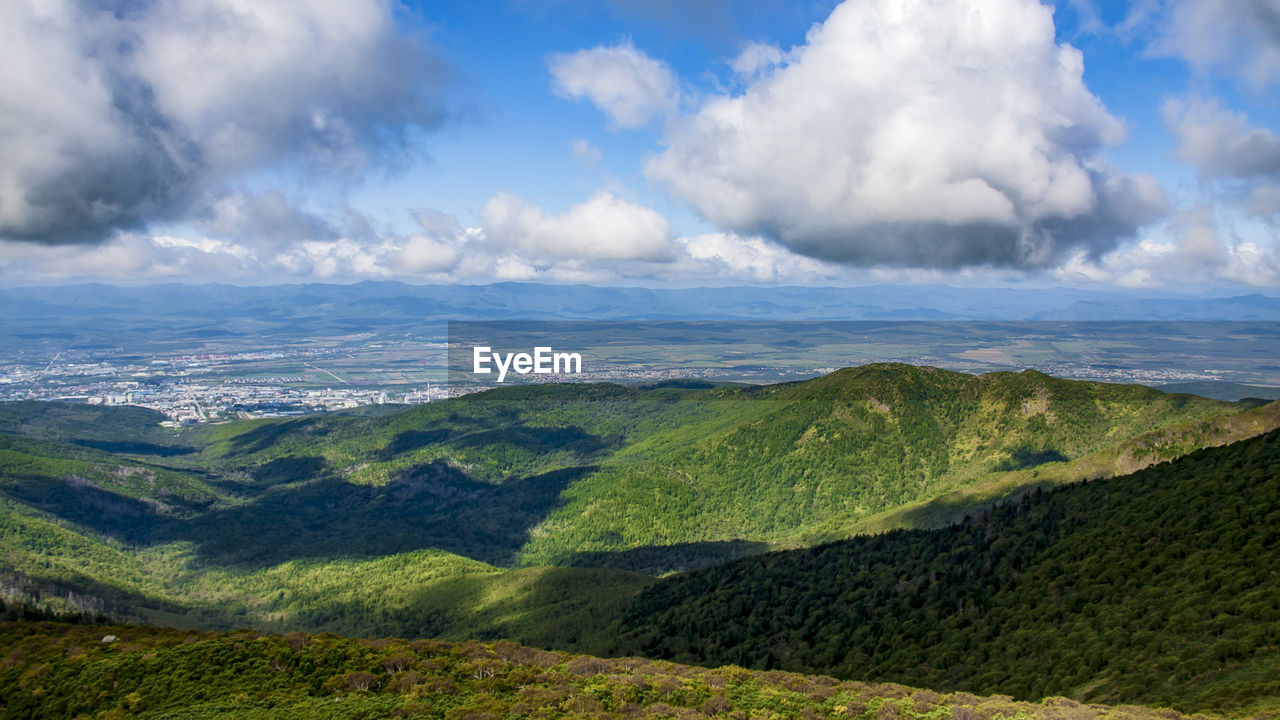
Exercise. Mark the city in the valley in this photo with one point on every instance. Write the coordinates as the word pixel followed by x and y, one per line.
pixel 201 384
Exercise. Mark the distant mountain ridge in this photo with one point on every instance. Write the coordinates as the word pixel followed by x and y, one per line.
pixel 390 301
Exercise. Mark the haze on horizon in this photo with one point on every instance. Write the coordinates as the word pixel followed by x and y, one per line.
pixel 996 143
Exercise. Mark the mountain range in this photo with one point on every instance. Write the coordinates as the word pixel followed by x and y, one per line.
pixel 886 522
pixel 319 306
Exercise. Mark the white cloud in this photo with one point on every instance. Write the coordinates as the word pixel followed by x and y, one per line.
pixel 627 85
pixel 1254 265
pixel 127 257
pixel 752 258
pixel 1239 160
pixel 756 58
pixel 420 255
pixel 205 245
pixel 938 133
pixel 1221 142
pixel 602 239
pixel 341 259
pixel 604 227
pixel 1196 251
pixel 1238 37
pixel 117 114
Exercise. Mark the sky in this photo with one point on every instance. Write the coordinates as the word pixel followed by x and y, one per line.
pixel 658 143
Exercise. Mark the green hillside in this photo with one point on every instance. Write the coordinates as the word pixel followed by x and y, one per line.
pixel 1166 443
pixel 591 474
pixel 1159 587
pixel 791 464
pixel 51 671
pixel 442 519
pixel 543 514
pixel 116 428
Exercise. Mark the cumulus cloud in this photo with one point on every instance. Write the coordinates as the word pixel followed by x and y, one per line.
pixel 1221 142
pixel 1239 37
pixel 331 260
pixel 113 114
pixel 752 258
pixel 602 239
pixel 435 250
pixel 756 58
pixel 1230 154
pixel 626 84
pixel 1195 250
pixel 604 227
pixel 422 254
pixel 926 133
pixel 126 256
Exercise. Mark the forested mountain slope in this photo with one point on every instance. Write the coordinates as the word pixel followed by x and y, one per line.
pixel 1158 587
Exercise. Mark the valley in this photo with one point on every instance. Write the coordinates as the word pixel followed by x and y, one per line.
pixel 887 522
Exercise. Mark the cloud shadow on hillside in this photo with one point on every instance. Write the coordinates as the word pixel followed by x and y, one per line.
pixel 80 501
pixel 435 505
pixel 662 559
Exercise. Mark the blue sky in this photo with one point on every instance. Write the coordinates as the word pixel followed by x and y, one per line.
pixel 520 135
pixel 990 143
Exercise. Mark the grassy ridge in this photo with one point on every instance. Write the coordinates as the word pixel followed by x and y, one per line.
pixel 787 464
pixel 49 670
pixel 1167 443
